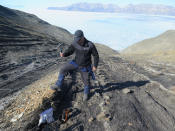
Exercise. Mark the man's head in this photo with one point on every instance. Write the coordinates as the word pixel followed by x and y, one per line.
pixel 79 37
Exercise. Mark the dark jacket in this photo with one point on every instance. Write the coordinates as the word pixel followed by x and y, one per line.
pixel 83 53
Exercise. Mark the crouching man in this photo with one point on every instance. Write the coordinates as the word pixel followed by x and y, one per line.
pixel 82 62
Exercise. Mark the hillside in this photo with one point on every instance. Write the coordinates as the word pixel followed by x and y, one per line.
pixel 32 23
pixel 28 48
pixel 123 97
pixel 160 48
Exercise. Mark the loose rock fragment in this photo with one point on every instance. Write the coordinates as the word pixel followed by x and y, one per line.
pixel 107 102
pixel 102 104
pixel 91 120
pixel 15 118
pixel 129 124
pixel 107 97
pixel 97 94
pixel 126 91
pixel 103 117
pixel 107 118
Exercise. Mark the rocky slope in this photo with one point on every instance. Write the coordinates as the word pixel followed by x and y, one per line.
pixel 156 58
pixel 28 48
pixel 122 98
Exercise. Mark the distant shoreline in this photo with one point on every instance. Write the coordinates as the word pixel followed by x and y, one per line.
pixel 114 13
pixel 152 9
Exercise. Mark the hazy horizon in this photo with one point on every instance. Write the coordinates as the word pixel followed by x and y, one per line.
pixel 42 4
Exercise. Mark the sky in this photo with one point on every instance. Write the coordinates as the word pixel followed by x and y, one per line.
pixel 28 4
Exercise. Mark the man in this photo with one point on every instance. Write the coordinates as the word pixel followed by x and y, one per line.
pixel 83 50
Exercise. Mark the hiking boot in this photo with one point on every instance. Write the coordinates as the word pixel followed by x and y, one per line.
pixel 56 88
pixel 85 97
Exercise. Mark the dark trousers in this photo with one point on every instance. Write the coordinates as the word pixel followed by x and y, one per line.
pixel 70 67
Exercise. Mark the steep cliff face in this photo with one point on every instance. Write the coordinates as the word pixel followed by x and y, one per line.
pixel 122 97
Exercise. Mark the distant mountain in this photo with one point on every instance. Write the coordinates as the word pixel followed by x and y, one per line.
pixel 160 48
pixel 136 9
pixel 88 7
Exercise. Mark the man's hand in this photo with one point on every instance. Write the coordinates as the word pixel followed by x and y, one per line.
pixel 61 54
pixel 94 68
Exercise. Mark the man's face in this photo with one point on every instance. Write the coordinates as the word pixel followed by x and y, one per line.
pixel 81 41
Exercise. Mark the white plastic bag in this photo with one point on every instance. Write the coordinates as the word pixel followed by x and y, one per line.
pixel 46 116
